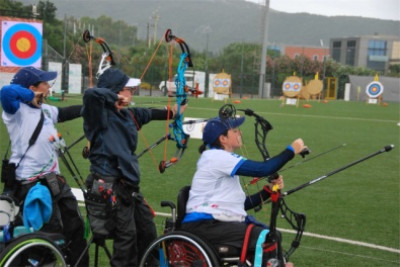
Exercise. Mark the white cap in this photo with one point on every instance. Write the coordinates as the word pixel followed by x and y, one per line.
pixel 132 82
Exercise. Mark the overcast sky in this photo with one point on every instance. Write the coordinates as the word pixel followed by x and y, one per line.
pixel 380 9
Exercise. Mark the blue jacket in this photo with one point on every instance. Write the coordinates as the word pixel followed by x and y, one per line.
pixel 113 135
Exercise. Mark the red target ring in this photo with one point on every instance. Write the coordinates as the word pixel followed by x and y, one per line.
pixel 23 44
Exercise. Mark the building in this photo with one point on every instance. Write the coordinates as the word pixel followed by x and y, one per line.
pixel 314 53
pixel 375 52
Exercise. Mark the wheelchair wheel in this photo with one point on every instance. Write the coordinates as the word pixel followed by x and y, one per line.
pixel 32 250
pixel 181 249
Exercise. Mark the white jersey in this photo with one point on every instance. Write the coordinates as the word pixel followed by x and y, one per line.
pixel 215 190
pixel 42 157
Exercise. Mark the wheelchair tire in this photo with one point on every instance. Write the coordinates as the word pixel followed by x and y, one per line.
pixel 32 250
pixel 179 248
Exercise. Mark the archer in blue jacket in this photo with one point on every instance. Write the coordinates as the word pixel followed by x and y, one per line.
pixel 112 130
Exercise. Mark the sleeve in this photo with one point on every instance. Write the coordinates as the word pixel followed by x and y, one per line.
pixel 69 113
pixel 95 104
pixel 140 116
pixel 221 162
pixel 256 199
pixel 161 114
pixel 12 95
pixel 265 168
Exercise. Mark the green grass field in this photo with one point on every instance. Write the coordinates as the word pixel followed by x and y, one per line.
pixel 361 203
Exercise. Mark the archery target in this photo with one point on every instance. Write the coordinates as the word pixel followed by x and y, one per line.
pixel 374 89
pixel 222 83
pixel 21 44
pixel 291 86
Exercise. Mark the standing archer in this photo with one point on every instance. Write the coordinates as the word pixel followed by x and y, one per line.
pixel 112 130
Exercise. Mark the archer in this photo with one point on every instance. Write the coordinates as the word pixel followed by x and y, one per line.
pixel 217 204
pixel 112 130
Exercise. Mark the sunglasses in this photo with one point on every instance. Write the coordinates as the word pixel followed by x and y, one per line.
pixel 131 89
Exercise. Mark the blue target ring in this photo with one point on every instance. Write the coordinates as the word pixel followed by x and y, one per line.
pixel 9 50
pixel 374 89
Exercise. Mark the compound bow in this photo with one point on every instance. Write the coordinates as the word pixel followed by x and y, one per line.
pixel 179 135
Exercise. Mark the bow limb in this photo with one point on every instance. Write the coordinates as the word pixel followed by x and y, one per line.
pixel 262 127
pixel 107 58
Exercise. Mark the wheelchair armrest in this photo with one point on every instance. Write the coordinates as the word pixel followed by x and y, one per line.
pixel 170 204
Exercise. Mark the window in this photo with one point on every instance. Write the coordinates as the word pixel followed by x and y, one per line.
pixel 337 44
pixel 336 50
pixel 351 52
pixel 315 57
pixel 377 48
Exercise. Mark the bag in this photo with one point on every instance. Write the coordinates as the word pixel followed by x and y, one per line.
pixel 8 173
pixel 51 181
pixel 9 210
pixel 99 206
pixel 100 216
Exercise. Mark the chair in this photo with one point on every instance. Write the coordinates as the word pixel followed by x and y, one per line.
pixel 178 247
pixel 21 246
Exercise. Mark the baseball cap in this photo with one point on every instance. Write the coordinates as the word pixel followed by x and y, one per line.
pixel 215 127
pixel 115 80
pixel 132 82
pixel 28 76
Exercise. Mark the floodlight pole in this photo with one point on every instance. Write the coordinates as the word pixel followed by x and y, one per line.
pixel 264 48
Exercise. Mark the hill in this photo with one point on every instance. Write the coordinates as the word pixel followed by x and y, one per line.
pixel 217 23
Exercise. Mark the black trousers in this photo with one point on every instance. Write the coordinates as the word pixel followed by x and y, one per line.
pixel 65 219
pixel 132 219
pixel 232 234
pixel 220 233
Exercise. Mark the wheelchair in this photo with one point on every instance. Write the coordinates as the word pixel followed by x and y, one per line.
pixel 181 248
pixel 20 246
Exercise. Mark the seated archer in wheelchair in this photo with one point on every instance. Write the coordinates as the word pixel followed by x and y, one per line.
pixel 34 146
pixel 217 204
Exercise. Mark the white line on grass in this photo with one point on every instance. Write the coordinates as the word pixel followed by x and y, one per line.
pixel 342 240
pixel 313 116
pixel 348 254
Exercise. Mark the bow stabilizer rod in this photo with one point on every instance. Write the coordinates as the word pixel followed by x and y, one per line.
pixel 383 150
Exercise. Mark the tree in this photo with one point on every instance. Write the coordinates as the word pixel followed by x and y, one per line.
pixel 47 12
